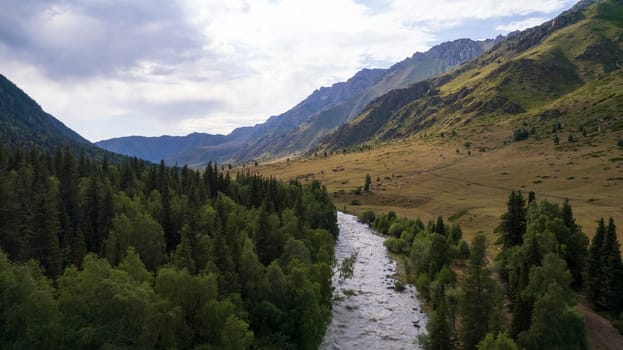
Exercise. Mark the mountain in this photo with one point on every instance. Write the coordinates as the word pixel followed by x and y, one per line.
pixel 313 118
pixel 364 87
pixel 194 149
pixel 23 123
pixel 566 71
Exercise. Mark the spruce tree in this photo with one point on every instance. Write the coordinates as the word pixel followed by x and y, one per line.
pixel 368 182
pixel 438 327
pixel 595 276
pixel 479 288
pixel 513 222
pixel 44 242
pixel 611 272
pixel 440 227
pixel 575 246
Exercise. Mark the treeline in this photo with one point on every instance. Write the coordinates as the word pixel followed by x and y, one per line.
pixel 527 300
pixel 140 256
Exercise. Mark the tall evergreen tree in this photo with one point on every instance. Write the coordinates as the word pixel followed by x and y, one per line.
pixel 611 293
pixel 368 182
pixel 531 197
pixel 44 242
pixel 574 245
pixel 438 327
pixel 438 254
pixel 440 227
pixel 595 272
pixel 513 224
pixel 478 302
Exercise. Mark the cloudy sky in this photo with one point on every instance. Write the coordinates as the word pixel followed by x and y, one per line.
pixel 110 68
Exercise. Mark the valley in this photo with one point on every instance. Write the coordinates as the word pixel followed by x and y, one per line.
pixel 427 178
pixel 466 197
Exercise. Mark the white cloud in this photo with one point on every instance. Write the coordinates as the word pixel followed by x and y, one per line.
pixel 211 66
pixel 521 25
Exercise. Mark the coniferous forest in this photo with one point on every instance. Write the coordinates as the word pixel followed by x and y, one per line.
pixel 526 298
pixel 135 255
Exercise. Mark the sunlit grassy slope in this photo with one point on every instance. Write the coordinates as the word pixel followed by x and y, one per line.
pixel 566 71
pixel 426 178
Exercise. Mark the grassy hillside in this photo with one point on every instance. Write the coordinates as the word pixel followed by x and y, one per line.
pixel 425 178
pixel 565 72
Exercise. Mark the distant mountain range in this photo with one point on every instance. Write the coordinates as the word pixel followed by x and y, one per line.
pixel 302 126
pixel 23 123
pixel 566 71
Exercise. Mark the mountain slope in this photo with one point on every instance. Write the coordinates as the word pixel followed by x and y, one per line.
pixel 307 131
pixel 313 118
pixel 194 149
pixel 23 123
pixel 563 72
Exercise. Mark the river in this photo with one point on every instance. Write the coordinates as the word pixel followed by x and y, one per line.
pixel 367 312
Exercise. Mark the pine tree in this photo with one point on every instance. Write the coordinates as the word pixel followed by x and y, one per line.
pixel 440 227
pixel 611 272
pixel 479 288
pixel 513 224
pixel 44 242
pixel 575 246
pixel 456 233
pixel 595 276
pixel 531 197
pixel 368 182
pixel 182 258
pixel 69 193
pixel 438 254
pixel 438 327
pixel 522 303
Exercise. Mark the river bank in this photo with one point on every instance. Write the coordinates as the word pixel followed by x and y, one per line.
pixel 368 313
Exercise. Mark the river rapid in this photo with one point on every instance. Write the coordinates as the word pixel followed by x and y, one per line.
pixel 367 312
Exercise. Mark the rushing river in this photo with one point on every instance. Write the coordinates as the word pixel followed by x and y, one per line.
pixel 367 312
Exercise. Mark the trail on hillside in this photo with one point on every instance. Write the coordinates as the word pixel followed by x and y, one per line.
pixel 601 334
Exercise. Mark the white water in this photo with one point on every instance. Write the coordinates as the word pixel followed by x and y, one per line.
pixel 376 317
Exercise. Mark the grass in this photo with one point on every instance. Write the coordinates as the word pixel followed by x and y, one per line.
pixel 458 215
pixel 424 179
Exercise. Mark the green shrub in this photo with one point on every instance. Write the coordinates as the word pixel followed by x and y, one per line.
pixel 408 235
pixel 399 286
pixel 396 229
pixel 367 217
pixel 396 245
pixel 381 224
pixel 463 250
pixel 521 134
pixel 422 284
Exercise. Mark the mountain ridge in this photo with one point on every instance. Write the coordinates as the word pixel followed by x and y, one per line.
pixel 314 117
pixel 24 124
pixel 522 78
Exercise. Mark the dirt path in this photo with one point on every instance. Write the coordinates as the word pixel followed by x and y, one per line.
pixel 601 335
